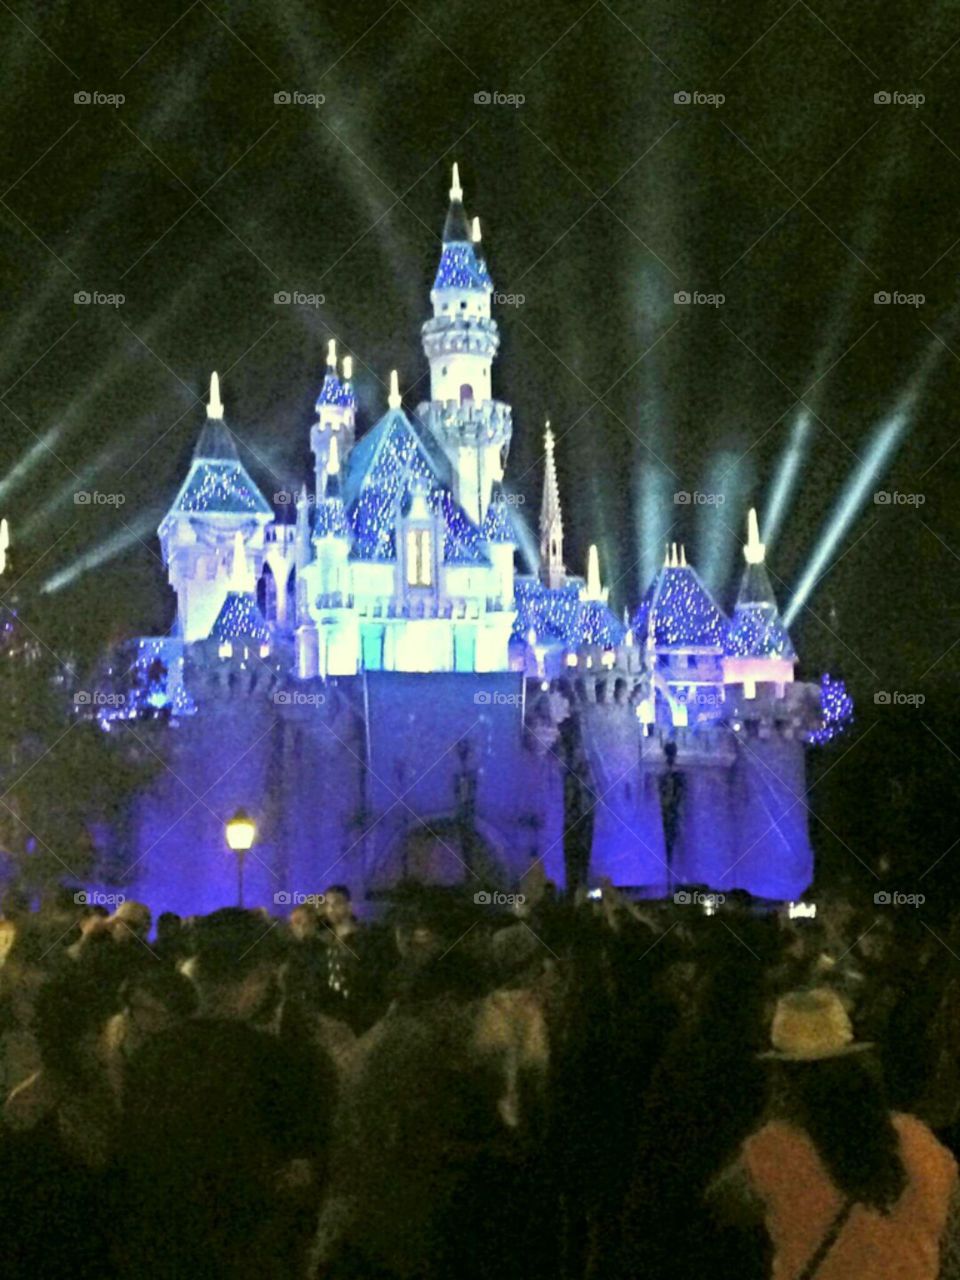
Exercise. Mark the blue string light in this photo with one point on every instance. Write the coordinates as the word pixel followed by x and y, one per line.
pixel 757 632
pixel 460 269
pixel 836 710
pixel 240 619
pixel 221 488
pixel 681 610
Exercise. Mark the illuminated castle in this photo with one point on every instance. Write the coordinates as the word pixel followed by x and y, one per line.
pixel 400 700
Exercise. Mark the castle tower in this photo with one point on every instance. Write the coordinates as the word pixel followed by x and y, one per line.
pixel 758 646
pixel 460 342
pixel 552 570
pixel 336 409
pixel 217 502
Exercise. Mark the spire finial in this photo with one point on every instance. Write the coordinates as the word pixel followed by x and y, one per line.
pixel 683 556
pixel 214 406
pixel 456 191
pixel 475 231
pixel 666 556
pixel 4 543
pixel 333 458
pixel 548 437
pixel 347 368
pixel 754 551
pixel 674 561
pixel 393 399
pixel 332 354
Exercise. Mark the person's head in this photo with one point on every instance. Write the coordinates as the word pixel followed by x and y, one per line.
pixel 157 997
pixel 670 753
pixel 830 1087
pixel 131 921
pixel 337 906
pixel 303 922
pixel 71 1010
pixel 236 965
pixel 169 926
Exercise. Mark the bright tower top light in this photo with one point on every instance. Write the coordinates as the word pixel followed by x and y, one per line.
pixel 214 404
pixel 754 551
pixel 456 191
pixel 393 399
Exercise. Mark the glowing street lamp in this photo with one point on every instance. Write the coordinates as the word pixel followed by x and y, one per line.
pixel 241 831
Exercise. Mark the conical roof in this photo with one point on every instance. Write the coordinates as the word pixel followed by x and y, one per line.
pixel 678 612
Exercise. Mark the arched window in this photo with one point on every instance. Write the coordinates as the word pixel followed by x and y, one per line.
pixel 419 558
pixel 466 392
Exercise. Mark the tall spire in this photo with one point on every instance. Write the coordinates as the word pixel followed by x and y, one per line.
pixel 456 228
pixel 214 405
pixel 551 519
pixel 754 551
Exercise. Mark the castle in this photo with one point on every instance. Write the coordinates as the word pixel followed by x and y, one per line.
pixel 423 705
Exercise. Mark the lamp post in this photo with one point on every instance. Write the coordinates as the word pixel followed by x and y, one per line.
pixel 241 831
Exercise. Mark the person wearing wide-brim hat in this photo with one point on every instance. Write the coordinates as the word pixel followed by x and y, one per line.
pixel 847 1189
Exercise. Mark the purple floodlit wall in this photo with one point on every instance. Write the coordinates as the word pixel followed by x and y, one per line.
pixel 741 820
pixel 357 780
pixel 364 780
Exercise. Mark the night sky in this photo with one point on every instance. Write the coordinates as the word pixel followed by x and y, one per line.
pixel 798 199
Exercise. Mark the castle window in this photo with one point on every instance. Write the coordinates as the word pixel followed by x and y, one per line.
pixel 466 392
pixel 419 558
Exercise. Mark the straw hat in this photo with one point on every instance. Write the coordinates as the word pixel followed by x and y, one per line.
pixel 809 1026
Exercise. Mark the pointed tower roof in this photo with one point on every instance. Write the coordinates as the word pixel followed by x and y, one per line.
pixel 218 483
pixel 461 266
pixel 332 390
pixel 550 513
pixel 497 526
pixel 240 619
pixel 331 518
pixel 756 629
pixel 456 229
pixel 677 611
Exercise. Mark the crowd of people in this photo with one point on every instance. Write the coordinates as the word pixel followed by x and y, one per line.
pixel 576 1088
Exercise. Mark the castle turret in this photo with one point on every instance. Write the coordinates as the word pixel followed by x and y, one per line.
pixel 758 646
pixel 552 570
pixel 217 502
pixel 460 342
pixel 336 416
